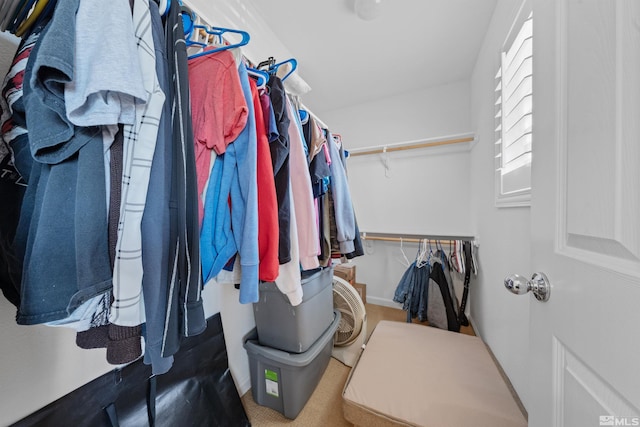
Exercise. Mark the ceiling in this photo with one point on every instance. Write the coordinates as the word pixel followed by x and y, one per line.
pixel 413 44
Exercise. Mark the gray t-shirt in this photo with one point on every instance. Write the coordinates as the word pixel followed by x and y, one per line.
pixel 107 80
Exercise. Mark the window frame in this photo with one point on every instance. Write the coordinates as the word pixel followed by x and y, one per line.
pixel 522 197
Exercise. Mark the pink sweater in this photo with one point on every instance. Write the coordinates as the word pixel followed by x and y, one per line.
pixel 305 212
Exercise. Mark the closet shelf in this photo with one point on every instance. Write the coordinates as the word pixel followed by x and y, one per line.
pixel 410 145
pixel 413 238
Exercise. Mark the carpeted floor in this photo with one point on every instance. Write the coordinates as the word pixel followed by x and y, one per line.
pixel 324 407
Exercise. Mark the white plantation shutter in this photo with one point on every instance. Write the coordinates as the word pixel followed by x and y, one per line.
pixel 514 117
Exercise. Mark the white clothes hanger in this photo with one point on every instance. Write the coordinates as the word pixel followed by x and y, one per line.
pixel 163 6
pixel 384 158
pixel 422 258
pixel 406 260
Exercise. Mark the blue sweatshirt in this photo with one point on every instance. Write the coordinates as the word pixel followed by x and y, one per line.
pixel 227 230
pixel 343 209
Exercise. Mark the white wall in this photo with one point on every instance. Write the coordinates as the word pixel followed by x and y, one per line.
pixel 421 191
pixel 502 319
pixel 38 364
pixel 432 112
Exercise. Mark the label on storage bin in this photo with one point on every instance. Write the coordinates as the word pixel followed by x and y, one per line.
pixel 271 382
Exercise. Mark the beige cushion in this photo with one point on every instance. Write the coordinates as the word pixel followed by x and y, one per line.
pixel 412 374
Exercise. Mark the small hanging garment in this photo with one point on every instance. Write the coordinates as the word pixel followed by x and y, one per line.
pixel 412 291
pixel 442 303
pixel 462 317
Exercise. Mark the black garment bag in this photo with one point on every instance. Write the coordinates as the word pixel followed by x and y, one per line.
pixel 197 391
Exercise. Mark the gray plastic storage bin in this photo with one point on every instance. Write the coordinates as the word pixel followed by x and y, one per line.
pixel 295 328
pixel 284 381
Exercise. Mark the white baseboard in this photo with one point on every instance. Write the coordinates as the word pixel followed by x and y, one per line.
pixel 383 301
pixel 473 325
pixel 243 385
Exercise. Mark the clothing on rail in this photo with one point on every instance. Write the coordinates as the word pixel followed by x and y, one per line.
pixel 135 175
pixel 426 289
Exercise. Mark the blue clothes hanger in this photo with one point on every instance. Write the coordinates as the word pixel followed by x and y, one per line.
pixel 262 77
pixel 194 43
pixel 206 32
pixel 272 66
pixel 188 17
pixel 164 6
pixel 292 61
pixel 188 26
pixel 219 31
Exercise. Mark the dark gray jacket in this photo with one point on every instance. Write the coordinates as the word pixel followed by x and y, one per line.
pixel 61 234
pixel 185 313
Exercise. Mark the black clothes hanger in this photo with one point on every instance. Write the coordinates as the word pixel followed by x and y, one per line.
pixel 272 66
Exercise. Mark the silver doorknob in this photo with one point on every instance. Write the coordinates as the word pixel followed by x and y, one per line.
pixel 538 285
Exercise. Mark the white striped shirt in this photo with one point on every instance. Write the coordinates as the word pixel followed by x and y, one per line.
pixel 127 308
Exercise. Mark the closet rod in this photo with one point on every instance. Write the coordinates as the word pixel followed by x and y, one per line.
pixel 434 142
pixel 412 238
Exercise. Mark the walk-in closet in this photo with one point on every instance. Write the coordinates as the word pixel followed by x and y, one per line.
pixel 339 213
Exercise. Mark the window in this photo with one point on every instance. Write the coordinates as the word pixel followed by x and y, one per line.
pixel 514 94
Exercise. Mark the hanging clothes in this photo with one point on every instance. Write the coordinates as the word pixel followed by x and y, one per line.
pixel 244 197
pixel 442 307
pixel 79 213
pixel 280 161
pixel 218 107
pixel 308 240
pixel 156 219
pixel 122 177
pixel 426 291
pixel 108 81
pixel 268 231
pixel 15 162
pixel 185 314
pixel 87 104
pixel 320 173
pixel 127 308
pixel 412 291
pixel 55 281
pixel 358 250
pixel 341 196
pixel 319 169
pixel 289 281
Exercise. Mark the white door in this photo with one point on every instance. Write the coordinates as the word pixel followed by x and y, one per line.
pixel 585 341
